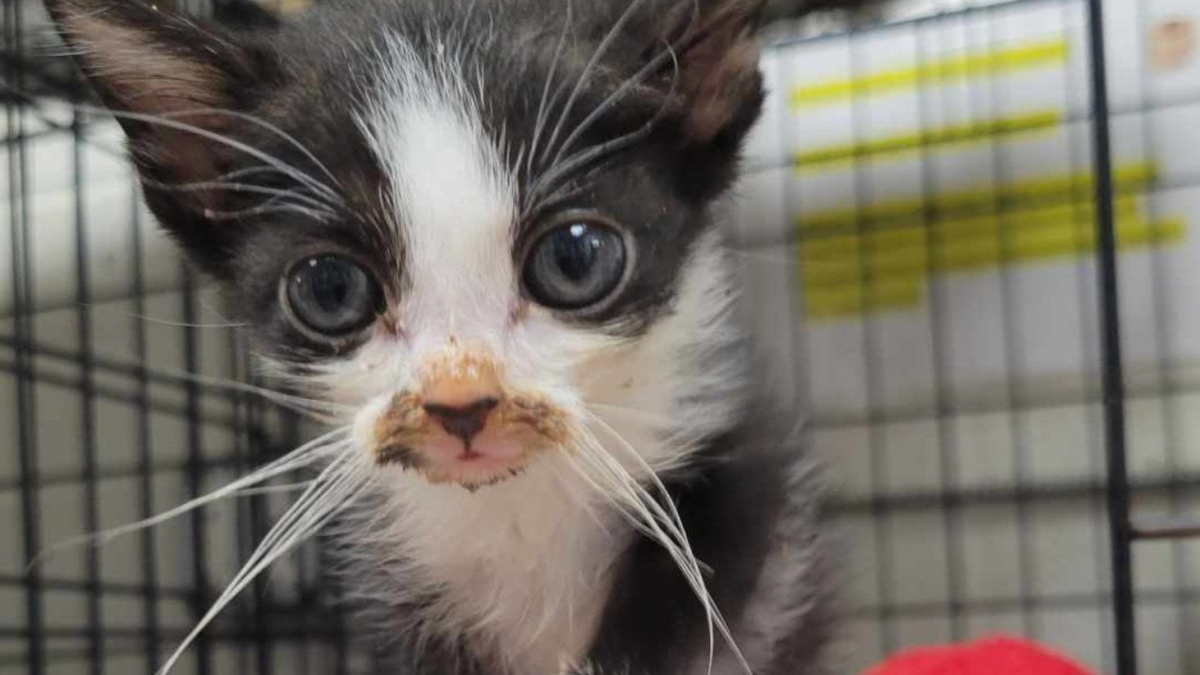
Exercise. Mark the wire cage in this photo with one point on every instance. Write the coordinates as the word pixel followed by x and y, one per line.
pixel 967 248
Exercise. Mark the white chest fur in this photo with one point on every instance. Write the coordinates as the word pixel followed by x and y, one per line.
pixel 521 568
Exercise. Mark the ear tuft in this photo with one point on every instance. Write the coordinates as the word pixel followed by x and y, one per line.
pixel 150 63
pixel 141 57
pixel 718 54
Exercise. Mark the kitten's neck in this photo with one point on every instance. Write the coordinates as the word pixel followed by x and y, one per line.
pixel 519 571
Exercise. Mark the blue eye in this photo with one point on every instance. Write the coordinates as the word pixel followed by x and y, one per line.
pixel 332 295
pixel 576 265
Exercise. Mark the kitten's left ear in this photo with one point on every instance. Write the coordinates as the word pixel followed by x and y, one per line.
pixel 171 81
pixel 151 62
pixel 717 53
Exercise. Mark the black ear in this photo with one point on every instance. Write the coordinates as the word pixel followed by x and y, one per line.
pixel 164 75
pixel 716 54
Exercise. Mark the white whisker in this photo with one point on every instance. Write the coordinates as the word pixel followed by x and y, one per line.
pixel 562 167
pixel 246 188
pixel 167 122
pixel 330 494
pixel 683 555
pixel 273 129
pixel 601 50
pixel 305 455
pixel 539 125
pixel 266 209
pixel 620 92
pixel 163 322
pixel 645 415
pixel 275 489
pixel 324 411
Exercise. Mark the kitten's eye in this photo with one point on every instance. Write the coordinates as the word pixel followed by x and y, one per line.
pixel 332 295
pixel 575 265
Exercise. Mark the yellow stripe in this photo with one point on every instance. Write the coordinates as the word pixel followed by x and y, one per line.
pixel 835 287
pixel 955 244
pixel 852 300
pixel 961 134
pixel 934 72
pixel 1015 196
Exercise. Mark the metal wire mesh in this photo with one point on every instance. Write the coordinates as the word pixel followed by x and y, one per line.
pixel 918 237
pixel 921 243
pixel 101 330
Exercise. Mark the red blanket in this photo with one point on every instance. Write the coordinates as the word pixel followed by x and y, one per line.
pixel 994 656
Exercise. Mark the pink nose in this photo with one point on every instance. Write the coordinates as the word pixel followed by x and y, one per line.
pixel 463 421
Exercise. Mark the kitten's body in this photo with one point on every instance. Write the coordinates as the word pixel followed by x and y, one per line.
pixel 751 514
pixel 435 147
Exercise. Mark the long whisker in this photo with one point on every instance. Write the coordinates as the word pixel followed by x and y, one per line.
pixel 601 50
pixel 324 410
pixel 330 494
pixel 634 412
pixel 272 206
pixel 168 122
pixel 273 129
pixel 305 455
pixel 565 167
pixel 788 258
pixel 672 515
pixel 163 322
pixel 583 158
pixel 275 489
pixel 635 80
pixel 539 126
pixel 248 188
pixel 580 500
pixel 651 520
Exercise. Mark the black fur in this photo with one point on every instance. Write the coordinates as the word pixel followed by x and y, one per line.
pixel 753 493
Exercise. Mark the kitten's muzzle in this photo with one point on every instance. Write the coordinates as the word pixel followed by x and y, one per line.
pixel 463 421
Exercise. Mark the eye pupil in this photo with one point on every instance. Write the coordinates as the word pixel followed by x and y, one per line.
pixel 331 286
pixel 332 295
pixel 576 251
pixel 575 266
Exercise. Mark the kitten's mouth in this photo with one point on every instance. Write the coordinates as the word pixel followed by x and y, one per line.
pixel 447 460
pixel 516 431
pixel 482 462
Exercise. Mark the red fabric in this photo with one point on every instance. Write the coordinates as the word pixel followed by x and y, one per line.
pixel 994 656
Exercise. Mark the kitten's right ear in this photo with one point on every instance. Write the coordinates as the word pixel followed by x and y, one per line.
pixel 165 75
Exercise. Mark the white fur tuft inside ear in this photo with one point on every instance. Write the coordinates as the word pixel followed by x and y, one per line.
pixel 121 47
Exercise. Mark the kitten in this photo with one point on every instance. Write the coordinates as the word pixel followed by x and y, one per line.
pixel 479 238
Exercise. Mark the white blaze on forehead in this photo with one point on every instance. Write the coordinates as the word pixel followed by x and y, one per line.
pixel 453 197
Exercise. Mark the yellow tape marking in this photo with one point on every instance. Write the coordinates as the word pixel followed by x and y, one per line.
pixel 934 72
pixel 1043 191
pixel 846 274
pixel 957 135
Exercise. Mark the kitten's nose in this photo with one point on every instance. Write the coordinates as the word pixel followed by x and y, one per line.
pixel 463 421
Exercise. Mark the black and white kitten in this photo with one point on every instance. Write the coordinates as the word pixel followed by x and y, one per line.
pixel 478 237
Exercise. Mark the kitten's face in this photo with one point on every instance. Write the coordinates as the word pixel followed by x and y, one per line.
pixel 469 226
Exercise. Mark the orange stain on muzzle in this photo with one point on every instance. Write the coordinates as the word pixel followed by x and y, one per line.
pixel 461 397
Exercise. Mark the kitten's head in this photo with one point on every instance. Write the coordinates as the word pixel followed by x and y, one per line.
pixel 476 224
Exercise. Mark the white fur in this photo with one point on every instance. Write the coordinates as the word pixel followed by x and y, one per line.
pixel 454 202
pixel 521 568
